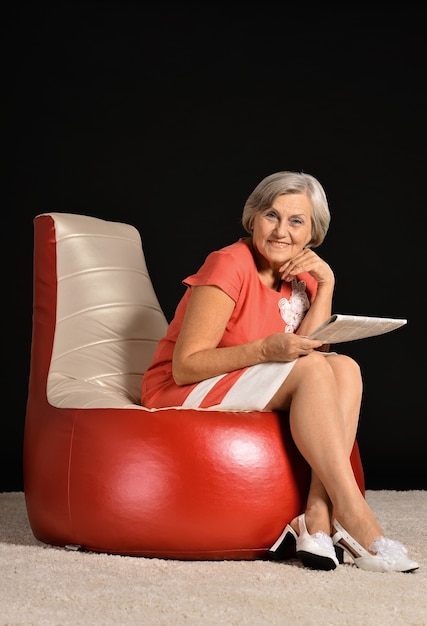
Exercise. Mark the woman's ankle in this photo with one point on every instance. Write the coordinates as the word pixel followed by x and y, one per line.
pixel 318 519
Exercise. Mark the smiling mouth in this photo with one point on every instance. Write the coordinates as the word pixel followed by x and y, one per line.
pixel 278 244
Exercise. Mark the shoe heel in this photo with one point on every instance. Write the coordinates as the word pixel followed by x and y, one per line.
pixel 285 545
pixel 340 554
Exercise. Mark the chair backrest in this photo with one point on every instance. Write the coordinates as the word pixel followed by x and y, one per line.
pixel 108 318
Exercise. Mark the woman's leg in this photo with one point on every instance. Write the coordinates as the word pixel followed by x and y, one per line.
pixel 349 390
pixel 323 396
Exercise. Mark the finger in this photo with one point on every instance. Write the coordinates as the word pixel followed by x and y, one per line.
pixel 288 277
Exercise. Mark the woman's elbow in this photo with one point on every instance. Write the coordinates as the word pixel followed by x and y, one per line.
pixel 180 376
pixel 179 381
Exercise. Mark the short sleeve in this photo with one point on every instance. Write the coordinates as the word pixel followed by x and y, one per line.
pixel 222 269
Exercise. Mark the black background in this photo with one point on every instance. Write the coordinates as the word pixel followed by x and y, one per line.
pixel 166 115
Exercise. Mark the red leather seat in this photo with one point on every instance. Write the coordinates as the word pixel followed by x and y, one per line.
pixel 103 473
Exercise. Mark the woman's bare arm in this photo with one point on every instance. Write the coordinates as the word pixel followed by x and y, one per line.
pixel 196 355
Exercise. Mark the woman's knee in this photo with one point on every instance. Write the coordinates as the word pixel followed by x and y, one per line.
pixel 311 367
pixel 335 368
pixel 317 371
pixel 344 365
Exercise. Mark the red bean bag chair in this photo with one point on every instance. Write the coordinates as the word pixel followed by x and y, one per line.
pixel 103 473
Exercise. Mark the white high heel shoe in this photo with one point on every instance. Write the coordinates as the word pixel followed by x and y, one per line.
pixel 315 551
pixel 390 555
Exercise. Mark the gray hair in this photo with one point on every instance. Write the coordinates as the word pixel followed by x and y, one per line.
pixel 281 183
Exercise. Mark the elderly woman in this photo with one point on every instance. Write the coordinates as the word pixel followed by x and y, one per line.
pixel 239 340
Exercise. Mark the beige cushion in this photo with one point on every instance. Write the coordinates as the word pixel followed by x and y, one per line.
pixel 108 318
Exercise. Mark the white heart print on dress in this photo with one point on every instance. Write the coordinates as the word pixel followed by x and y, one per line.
pixel 293 310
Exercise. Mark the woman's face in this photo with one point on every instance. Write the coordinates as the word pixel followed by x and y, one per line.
pixel 283 230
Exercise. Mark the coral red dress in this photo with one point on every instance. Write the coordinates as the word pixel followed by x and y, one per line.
pixel 259 312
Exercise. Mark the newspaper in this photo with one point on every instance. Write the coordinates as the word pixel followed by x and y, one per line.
pixel 339 328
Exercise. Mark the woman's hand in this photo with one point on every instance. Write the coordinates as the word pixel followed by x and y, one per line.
pixel 307 261
pixel 288 346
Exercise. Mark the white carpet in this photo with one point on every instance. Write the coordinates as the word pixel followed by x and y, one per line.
pixel 45 586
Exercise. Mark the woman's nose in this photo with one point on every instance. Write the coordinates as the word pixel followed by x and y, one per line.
pixel 281 228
